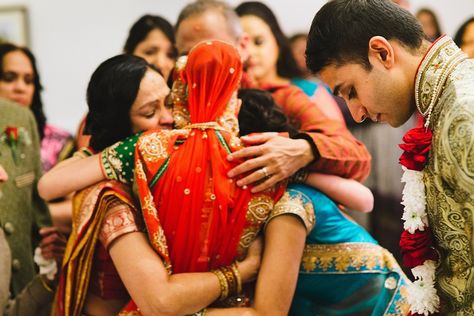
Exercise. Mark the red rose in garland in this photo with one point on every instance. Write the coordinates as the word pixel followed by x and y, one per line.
pixel 416 248
pixel 416 243
pixel 417 144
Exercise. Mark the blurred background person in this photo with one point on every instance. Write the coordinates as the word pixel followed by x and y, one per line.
pixel 430 24
pixel 6 257
pixel 307 81
pixel 464 37
pixel 298 47
pixel 271 65
pixel 22 212
pixel 405 4
pixel 152 38
pixel 20 82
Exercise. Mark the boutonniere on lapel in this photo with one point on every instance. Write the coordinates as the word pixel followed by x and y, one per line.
pixel 13 136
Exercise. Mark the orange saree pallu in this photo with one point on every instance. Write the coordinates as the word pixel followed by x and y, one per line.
pixel 197 218
pixel 89 209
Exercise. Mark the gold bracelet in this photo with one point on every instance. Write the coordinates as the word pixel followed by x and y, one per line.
pixel 45 284
pixel 231 281
pixel 83 152
pixel 238 278
pixel 202 312
pixel 222 283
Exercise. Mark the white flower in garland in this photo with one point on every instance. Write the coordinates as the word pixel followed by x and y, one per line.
pixel 426 271
pixel 423 297
pixel 413 199
pixel 422 294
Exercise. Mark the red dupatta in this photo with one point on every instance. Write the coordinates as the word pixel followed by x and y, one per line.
pixel 186 192
pixel 196 217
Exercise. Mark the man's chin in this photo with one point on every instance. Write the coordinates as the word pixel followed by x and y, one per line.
pixel 395 124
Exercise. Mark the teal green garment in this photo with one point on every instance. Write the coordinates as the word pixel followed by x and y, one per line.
pixel 344 271
pixel 309 87
pixel 22 211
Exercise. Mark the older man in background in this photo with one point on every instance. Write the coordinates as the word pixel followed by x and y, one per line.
pixel 326 147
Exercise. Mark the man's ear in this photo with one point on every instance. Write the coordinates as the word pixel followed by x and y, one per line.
pixel 381 52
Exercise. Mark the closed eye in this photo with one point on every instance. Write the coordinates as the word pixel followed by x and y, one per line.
pixel 352 93
pixel 150 114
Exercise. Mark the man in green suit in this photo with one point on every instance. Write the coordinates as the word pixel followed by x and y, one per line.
pixel 22 211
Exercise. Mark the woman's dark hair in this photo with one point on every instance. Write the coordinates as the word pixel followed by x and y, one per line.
pixel 112 89
pixel 434 18
pixel 143 26
pixel 341 30
pixel 36 103
pixel 286 64
pixel 259 113
pixel 461 31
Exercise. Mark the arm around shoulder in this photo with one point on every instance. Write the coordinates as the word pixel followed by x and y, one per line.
pixel 70 175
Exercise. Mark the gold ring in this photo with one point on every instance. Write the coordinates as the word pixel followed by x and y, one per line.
pixel 265 172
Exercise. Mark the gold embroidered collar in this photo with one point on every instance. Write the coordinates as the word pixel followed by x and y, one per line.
pixel 438 63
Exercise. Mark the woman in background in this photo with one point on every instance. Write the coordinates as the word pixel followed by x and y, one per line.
pixel 464 37
pixel 429 23
pixel 152 38
pixel 298 48
pixel 271 65
pixel 20 82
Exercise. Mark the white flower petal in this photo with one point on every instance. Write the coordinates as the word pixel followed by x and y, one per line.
pixel 47 267
pixel 423 297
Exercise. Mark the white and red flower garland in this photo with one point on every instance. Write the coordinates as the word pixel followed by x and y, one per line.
pixel 416 244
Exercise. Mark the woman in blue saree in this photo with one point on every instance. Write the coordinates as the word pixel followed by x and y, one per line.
pixel 343 270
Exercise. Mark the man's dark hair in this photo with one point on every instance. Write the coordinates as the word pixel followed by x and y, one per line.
pixel 111 92
pixel 341 31
pixel 286 63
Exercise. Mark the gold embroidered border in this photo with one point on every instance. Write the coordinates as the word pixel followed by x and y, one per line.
pixel 259 208
pixel 294 204
pixel 346 257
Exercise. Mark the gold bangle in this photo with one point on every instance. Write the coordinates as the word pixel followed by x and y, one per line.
pixel 222 283
pixel 230 278
pixel 238 278
pixel 45 284
pixel 82 152
pixel 202 312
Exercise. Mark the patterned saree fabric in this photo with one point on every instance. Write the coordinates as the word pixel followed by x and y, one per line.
pixel 89 211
